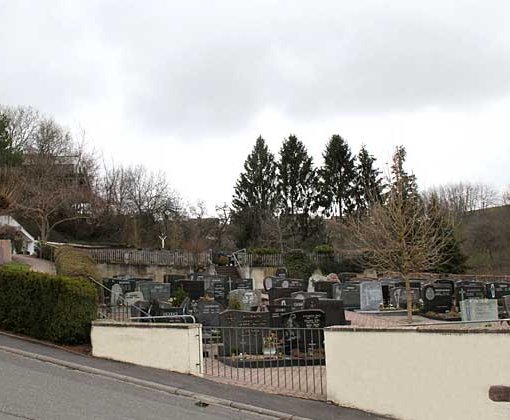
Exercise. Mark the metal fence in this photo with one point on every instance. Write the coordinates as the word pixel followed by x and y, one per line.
pixel 288 361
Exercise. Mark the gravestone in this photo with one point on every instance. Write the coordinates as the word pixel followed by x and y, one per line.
pixel 116 295
pixel 207 312
pixel 126 284
pixel 387 284
pixel 349 294
pixel 248 299
pixel 347 276
pixel 371 296
pixel 497 289
pixel 304 330
pixel 281 272
pixel 284 283
pixel 326 287
pixel 277 293
pixel 469 289
pixel 193 288
pixel 333 311
pixel 311 303
pixel 306 295
pixel 169 278
pixel 155 291
pixel 479 309
pixel 131 297
pixel 438 296
pixel 141 309
pixel 398 297
pixel 290 304
pixel 243 284
pixel 243 331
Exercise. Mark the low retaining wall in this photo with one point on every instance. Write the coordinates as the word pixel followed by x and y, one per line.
pixel 419 373
pixel 175 347
pixel 156 272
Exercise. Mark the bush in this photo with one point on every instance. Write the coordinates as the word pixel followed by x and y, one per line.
pixel 47 307
pixel 324 249
pixel 263 251
pixel 298 264
pixel 72 262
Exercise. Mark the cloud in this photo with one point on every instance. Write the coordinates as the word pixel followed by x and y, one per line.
pixel 194 69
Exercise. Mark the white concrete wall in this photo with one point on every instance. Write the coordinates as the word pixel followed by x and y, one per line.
pixel 175 347
pixel 417 374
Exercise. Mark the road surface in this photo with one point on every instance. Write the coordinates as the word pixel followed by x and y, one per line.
pixel 31 389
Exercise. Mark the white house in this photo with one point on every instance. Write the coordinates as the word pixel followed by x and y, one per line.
pixel 28 240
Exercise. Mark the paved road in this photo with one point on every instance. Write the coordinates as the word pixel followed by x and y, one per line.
pixel 294 406
pixel 30 389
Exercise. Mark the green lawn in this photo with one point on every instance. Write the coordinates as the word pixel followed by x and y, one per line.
pixel 15 266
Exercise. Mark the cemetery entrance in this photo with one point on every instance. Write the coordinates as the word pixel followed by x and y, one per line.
pixel 275 352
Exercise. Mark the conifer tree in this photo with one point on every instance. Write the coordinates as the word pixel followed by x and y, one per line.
pixel 368 182
pixel 336 185
pixel 254 199
pixel 9 155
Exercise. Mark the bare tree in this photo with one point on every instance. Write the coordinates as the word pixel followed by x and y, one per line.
pixel 24 122
pixel 401 235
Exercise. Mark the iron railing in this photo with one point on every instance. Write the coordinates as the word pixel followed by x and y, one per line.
pixel 283 360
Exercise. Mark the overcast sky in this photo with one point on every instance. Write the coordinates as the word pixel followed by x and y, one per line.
pixel 187 86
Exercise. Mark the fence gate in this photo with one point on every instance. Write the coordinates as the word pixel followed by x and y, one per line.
pixel 288 361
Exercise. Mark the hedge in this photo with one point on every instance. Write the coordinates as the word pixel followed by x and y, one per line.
pixel 54 308
pixel 72 262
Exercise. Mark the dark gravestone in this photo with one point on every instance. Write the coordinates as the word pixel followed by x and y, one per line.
pixel 371 296
pixel 438 296
pixel 284 283
pixel 243 332
pixel 326 287
pixel 306 295
pixel 349 294
pixel 290 304
pixel 346 276
pixel 469 289
pixel 387 284
pixel 277 293
pixel 193 288
pixel 334 312
pixel 281 272
pixel 311 303
pixel 126 285
pixel 243 284
pixel 398 297
pixel 141 309
pixel 498 290
pixel 169 278
pixel 304 330
pixel 155 291
pixel 207 312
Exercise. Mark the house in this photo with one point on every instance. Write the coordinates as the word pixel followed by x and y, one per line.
pixel 28 240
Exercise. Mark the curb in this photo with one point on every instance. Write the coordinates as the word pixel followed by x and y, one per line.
pixel 158 387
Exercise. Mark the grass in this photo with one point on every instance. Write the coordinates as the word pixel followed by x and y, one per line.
pixel 16 266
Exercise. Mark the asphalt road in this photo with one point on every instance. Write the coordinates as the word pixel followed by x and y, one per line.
pixel 31 389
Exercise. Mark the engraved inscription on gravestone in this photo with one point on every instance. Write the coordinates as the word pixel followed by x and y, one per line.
pixel 479 309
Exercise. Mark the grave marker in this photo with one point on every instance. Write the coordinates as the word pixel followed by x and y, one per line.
pixel 371 296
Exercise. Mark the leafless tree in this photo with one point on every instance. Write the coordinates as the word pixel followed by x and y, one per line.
pixel 402 235
pixel 24 122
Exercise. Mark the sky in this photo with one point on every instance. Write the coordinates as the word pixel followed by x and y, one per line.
pixel 187 87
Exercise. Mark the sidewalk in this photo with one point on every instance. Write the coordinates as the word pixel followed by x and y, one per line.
pixel 293 406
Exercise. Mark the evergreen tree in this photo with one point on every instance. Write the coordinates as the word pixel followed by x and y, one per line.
pixel 254 199
pixel 336 185
pixel 9 155
pixel 452 259
pixel 296 189
pixel 368 183
pixel 402 182
pixel 296 177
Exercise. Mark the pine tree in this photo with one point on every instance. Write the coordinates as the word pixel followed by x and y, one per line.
pixel 336 186
pixel 402 182
pixel 368 182
pixel 254 199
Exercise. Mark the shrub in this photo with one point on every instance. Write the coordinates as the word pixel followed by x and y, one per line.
pixel 55 308
pixel 298 264
pixel 324 249
pixel 263 251
pixel 72 262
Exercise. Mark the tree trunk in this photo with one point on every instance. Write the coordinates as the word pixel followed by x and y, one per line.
pixel 409 298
